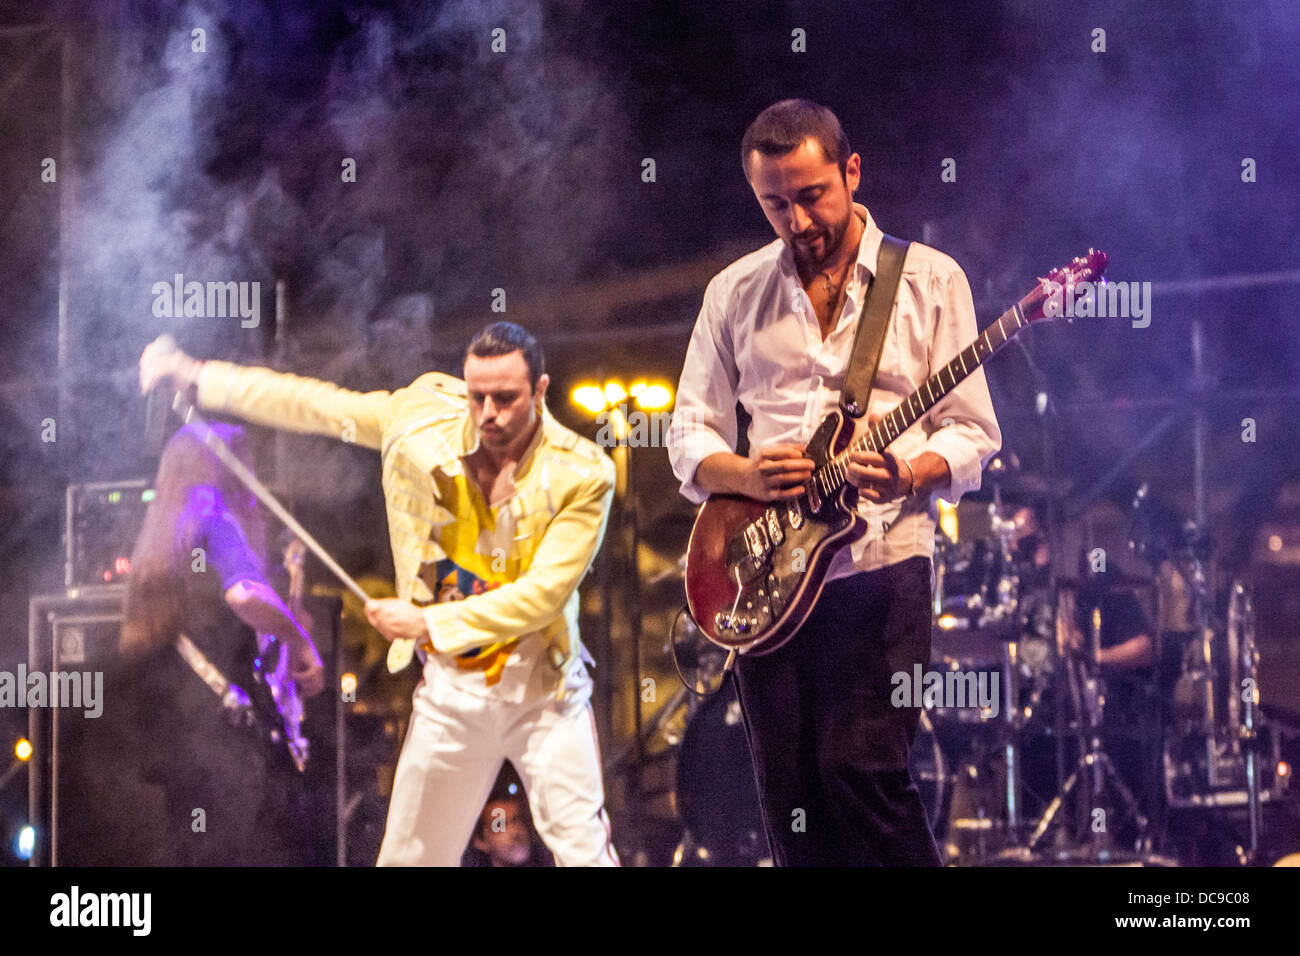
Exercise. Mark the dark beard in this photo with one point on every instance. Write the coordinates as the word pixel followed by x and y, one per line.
pixel 834 239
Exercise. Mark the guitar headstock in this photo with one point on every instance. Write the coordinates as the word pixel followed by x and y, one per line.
pixel 1047 300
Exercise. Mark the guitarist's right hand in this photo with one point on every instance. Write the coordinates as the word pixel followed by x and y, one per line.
pixel 779 471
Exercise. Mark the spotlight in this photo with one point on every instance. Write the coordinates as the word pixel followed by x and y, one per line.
pixel 615 394
pixel 653 398
pixel 589 397
pixel 23 749
pixel 25 842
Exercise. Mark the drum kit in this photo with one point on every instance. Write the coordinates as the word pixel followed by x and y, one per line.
pixel 1109 726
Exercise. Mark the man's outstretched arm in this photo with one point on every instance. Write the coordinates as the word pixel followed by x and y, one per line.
pixel 273 399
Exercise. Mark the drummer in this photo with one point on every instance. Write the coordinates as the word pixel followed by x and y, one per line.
pixel 1127 652
pixel 1126 640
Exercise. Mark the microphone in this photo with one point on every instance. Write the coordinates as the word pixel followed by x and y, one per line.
pixel 158 404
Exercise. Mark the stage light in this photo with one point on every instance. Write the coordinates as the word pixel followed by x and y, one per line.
pixel 596 399
pixel 25 842
pixel 947 622
pixel 348 684
pixel 653 398
pixel 948 519
pixel 615 393
pixel 1274 542
pixel 589 397
pixel 619 421
pixel 23 749
pixel 1283 768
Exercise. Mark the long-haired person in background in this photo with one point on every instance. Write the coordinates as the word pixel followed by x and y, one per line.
pixel 197 601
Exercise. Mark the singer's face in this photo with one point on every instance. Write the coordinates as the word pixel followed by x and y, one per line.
pixel 503 405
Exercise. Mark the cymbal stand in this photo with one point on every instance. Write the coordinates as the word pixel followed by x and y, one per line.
pixel 1241 636
pixel 1094 765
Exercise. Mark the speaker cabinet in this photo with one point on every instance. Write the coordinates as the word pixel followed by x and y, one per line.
pixel 89 796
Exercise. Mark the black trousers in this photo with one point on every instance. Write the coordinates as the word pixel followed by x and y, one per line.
pixel 830 750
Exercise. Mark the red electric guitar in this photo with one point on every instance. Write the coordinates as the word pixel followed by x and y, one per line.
pixel 754 570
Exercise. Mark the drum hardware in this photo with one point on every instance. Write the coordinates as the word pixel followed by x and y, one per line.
pixel 717 797
pixel 1226 757
pixel 1219 752
pixel 1094 769
pixel 1242 651
pixel 701 665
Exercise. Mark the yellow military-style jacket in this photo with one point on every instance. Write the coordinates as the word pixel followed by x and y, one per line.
pixel 520 562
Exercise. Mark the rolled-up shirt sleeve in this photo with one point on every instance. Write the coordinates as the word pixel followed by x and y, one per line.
pixel 961 427
pixel 704 422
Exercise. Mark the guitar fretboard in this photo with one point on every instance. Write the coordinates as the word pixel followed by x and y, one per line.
pixel 832 475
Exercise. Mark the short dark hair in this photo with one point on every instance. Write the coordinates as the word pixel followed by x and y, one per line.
pixel 785 125
pixel 502 338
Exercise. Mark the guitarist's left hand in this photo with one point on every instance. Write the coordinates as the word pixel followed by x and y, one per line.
pixel 884 477
pixel 307 668
pixel 879 476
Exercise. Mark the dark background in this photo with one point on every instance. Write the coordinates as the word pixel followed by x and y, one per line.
pixel 522 171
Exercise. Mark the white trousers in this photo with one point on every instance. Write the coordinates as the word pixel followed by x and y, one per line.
pixel 450 760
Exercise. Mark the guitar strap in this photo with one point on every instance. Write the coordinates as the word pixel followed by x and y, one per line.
pixel 233 697
pixel 869 340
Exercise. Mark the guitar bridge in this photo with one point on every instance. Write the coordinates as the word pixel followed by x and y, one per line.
pixel 774 597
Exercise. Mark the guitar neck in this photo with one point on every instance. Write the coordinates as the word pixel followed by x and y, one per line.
pixel 931 392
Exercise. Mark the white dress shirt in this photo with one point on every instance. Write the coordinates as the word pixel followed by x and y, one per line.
pixel 757 341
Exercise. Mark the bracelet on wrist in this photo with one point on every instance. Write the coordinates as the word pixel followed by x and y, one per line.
pixel 911 477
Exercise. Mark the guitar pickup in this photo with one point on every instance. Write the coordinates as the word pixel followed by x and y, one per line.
pixel 794 513
pixel 774 531
pixel 757 542
pixel 814 497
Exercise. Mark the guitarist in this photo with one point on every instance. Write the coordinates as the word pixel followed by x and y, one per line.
pixel 775 334
pixel 199 569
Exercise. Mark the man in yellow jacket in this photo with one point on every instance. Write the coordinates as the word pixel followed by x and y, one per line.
pixel 495 513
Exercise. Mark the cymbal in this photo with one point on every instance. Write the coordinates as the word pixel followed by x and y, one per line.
pixel 1006 475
